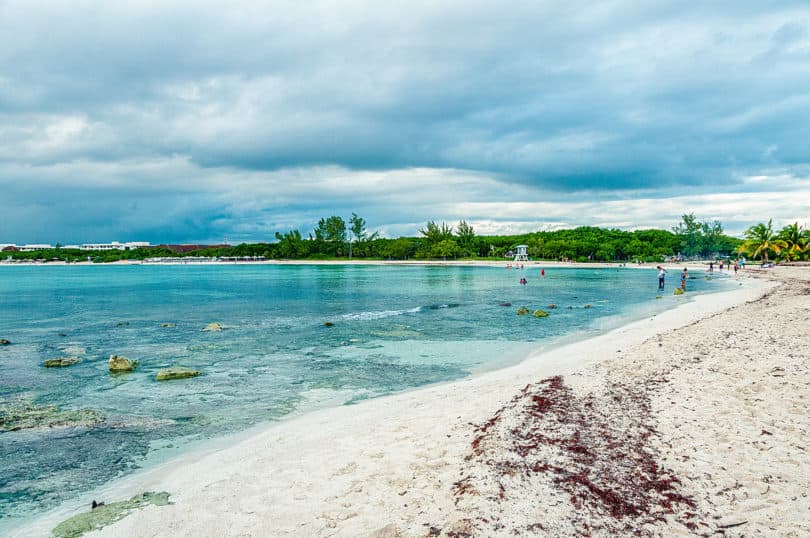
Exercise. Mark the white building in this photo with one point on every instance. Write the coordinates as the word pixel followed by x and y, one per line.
pixel 31 248
pixel 521 255
pixel 115 245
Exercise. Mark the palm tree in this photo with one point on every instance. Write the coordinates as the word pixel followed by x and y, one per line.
pixel 795 238
pixel 760 239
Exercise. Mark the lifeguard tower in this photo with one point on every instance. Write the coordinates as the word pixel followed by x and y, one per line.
pixel 520 253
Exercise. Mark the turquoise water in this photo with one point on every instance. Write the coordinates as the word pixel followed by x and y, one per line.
pixel 394 328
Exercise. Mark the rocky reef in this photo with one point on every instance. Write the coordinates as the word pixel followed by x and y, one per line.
pixel 23 414
pixel 122 364
pixel 176 372
pixel 61 362
pixel 213 327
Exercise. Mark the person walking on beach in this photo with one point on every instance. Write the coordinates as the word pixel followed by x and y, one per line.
pixel 661 274
pixel 684 276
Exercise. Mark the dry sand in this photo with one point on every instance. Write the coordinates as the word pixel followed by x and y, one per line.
pixel 692 422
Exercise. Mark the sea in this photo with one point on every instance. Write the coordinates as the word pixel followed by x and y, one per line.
pixel 295 338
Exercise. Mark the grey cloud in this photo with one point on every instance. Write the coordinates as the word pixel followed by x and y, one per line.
pixel 598 99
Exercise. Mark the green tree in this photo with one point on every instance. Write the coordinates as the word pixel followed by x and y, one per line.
pixel 796 241
pixel 357 226
pixel 435 233
pixel 466 237
pixel 761 239
pixel 332 232
pixel 445 248
pixel 291 245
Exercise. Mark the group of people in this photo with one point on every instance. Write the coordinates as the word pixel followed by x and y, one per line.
pixel 662 273
pixel 523 280
pixel 738 264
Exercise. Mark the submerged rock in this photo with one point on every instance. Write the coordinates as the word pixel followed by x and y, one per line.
pixel 4 342
pixel 678 291
pixel 24 415
pixel 62 362
pixel 122 324
pixel 168 325
pixel 587 306
pixel 104 514
pixel 328 324
pixel 522 311
pixel 213 327
pixel 540 314
pixel 122 364
pixel 176 372
pixel 505 304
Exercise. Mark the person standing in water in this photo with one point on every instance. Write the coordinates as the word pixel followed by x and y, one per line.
pixel 684 276
pixel 542 272
pixel 661 274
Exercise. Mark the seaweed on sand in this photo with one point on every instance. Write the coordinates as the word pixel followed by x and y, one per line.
pixel 106 514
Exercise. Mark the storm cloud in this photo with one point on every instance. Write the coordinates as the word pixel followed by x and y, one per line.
pixel 175 121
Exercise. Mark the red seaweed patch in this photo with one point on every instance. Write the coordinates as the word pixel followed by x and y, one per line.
pixel 592 452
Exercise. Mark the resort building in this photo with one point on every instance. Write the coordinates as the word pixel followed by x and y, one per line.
pixel 115 245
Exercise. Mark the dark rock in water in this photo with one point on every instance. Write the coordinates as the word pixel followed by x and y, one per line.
pixel 505 304
pixel 122 364
pixel 4 342
pixel 522 311
pixel 587 306
pixel 328 324
pixel 122 324
pixel 62 362
pixel 176 372
pixel 168 325
pixel 96 504
pixel 63 335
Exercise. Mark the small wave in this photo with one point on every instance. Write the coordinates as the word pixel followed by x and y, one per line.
pixel 379 314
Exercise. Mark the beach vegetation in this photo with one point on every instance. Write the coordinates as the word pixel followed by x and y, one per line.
pixel 334 238
pixel 760 240
pixel 702 239
pixel 797 242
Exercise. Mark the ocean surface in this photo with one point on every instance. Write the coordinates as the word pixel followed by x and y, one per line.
pixel 394 328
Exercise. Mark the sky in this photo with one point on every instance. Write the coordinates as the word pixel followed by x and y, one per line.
pixel 202 121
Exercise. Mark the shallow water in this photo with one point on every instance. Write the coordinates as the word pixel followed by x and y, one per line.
pixel 394 328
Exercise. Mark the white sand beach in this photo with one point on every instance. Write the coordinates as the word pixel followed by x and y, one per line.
pixel 692 422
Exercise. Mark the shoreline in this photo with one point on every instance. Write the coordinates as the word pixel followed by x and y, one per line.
pixel 288 446
pixel 692 265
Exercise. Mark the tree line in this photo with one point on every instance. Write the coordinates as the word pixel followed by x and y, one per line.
pixel 335 238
